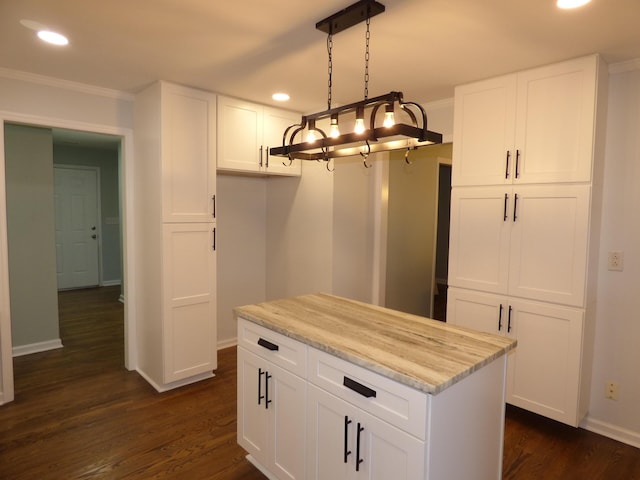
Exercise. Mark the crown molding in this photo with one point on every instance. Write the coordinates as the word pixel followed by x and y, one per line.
pixel 65 84
pixel 621 67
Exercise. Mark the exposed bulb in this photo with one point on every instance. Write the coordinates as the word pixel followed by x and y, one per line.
pixel 311 136
pixel 359 127
pixel 334 130
pixel 389 119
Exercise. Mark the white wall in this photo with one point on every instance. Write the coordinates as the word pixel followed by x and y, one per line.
pixel 241 237
pixel 617 337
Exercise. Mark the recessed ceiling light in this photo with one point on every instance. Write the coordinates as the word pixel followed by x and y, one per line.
pixel 52 37
pixel 566 4
pixel 280 97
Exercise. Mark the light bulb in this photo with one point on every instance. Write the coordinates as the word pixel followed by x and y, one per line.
pixel 359 127
pixel 311 133
pixel 567 4
pixel 52 37
pixel 311 136
pixel 334 130
pixel 389 119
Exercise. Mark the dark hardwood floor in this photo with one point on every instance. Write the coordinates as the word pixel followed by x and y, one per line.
pixel 79 414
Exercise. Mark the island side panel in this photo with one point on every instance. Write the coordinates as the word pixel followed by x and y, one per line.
pixel 466 427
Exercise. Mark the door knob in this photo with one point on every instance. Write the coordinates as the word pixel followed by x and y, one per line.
pixel 93 228
pixel 94 236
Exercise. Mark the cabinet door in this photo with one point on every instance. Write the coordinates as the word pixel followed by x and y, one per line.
pixel 287 412
pixel 275 123
pixel 188 154
pixel 253 422
pixel 484 312
pixel 239 135
pixel 479 238
pixel 549 240
pixel 544 374
pixel 272 415
pixel 330 447
pixel 484 119
pixel 189 290
pixel 345 442
pixel 555 122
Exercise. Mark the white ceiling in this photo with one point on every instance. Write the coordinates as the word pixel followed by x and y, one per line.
pixel 252 48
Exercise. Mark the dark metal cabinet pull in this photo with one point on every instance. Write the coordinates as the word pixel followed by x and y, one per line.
pixel 213 212
pixel 506 172
pixel 267 153
pixel 509 320
pixel 260 396
pixel 213 245
pixel 515 207
pixel 261 155
pixel 506 201
pixel 267 401
pixel 358 459
pixel 517 163
pixel 268 345
pixel 347 452
pixel 500 318
pixel 358 388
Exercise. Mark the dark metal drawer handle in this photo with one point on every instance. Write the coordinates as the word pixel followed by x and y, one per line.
pixel 268 345
pixel 358 388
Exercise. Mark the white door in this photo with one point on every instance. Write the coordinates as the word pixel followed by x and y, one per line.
pixel 76 212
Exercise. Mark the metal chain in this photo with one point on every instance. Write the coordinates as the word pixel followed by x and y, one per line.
pixel 330 68
pixel 366 61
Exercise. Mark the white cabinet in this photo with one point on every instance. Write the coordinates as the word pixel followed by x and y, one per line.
pixel 527 153
pixel 531 127
pixel 189 277
pixel 175 254
pixel 246 131
pixel 272 401
pixel 544 371
pixel 348 443
pixel 303 413
pixel 528 241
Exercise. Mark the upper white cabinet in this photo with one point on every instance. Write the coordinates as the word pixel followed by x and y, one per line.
pixel 528 241
pixel 535 126
pixel 188 125
pixel 246 132
pixel 175 239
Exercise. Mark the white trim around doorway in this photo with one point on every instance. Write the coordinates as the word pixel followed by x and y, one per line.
pixel 128 236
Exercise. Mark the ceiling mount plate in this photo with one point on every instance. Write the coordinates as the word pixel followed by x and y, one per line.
pixel 350 16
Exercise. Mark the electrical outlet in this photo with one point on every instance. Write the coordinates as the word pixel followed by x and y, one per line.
pixel 616 261
pixel 612 391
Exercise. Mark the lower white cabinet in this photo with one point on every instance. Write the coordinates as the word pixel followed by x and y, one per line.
pixel 306 414
pixel 271 415
pixel 344 442
pixel 544 373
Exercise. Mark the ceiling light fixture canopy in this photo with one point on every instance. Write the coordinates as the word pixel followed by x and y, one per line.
pixel 372 127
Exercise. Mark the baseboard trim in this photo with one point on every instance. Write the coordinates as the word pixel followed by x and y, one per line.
pixel 611 431
pixel 250 458
pixel 231 342
pixel 110 283
pixel 36 347
pixel 160 388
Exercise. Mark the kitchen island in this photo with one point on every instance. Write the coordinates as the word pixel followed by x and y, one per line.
pixel 332 388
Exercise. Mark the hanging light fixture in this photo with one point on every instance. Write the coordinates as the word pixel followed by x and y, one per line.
pixel 371 132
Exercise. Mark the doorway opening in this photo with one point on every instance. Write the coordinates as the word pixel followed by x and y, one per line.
pixel 110 222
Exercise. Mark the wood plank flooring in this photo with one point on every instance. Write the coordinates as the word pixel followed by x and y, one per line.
pixel 79 414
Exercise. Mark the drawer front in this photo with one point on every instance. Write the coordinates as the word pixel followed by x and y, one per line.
pixel 393 402
pixel 278 349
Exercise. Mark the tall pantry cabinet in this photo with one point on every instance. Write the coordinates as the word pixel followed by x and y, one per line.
pixel 175 254
pixel 525 211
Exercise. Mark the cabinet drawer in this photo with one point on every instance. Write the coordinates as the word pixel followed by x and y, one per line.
pixel 397 404
pixel 278 349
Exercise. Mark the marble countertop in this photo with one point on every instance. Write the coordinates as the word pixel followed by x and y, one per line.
pixel 425 354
